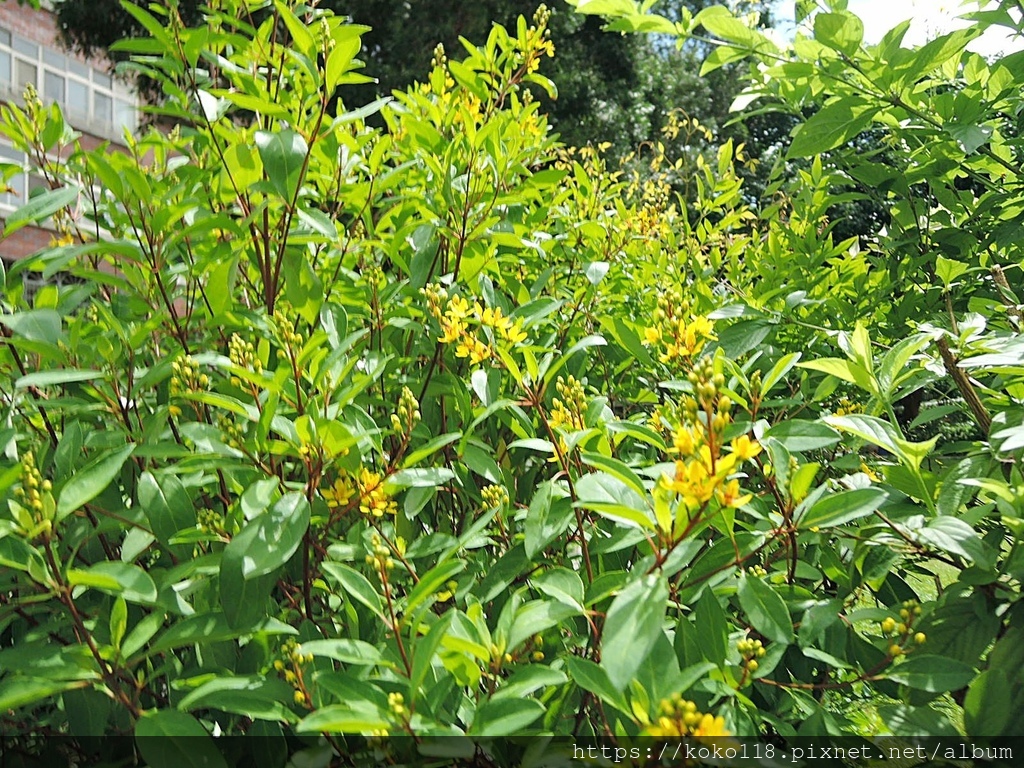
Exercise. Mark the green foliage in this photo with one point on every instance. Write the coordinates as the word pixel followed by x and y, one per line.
pixel 440 428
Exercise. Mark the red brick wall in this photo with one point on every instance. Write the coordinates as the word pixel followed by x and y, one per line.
pixel 24 242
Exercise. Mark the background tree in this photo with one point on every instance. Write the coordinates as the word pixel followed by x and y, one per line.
pixel 611 88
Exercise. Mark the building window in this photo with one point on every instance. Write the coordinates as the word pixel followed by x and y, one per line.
pixel 53 87
pixel 94 102
pixel 28 74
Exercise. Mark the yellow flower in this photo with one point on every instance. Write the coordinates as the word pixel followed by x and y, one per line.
pixel 744 448
pixel 692 482
pixel 683 442
pixel 711 726
pixel 458 308
pixel 451 330
pixel 652 335
pixel 474 349
pixel 339 494
pixel 494 319
pixel 730 495
pixel 373 499
pixel 869 472
pixel 514 333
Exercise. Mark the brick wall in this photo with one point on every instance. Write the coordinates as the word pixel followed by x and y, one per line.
pixel 24 242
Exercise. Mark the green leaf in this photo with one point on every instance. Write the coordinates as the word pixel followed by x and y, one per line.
pixel 843 369
pixel 356 585
pixel 869 428
pixel 52 378
pixel 935 674
pixel 345 650
pixel 535 617
pixel 18 553
pixel 989 705
pixel 953 535
pixel 561 584
pixel 424 651
pixel 948 270
pixel 916 721
pixel 505 717
pixel 351 717
pixel 609 496
pixel 419 477
pixel 631 628
pixel 432 581
pixel 20 691
pixel 616 469
pixel 832 126
pixel 971 137
pixel 713 635
pixel 116 578
pixel 260 698
pixel 591 677
pixel 842 32
pixel 548 518
pixel 118 621
pixel 35 324
pixel 843 507
pixel 167 505
pixel 528 679
pixel 765 609
pixel 283 154
pixel 782 366
pixel 430 448
pixel 799 435
pixel 91 480
pixel 208 628
pixel 719 21
pixel 267 543
pixel 168 738
pixel 40 207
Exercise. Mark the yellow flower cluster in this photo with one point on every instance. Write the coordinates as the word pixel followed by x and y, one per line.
pixel 494 496
pixel 676 333
pixel 679 718
pixel 380 558
pixel 459 322
pixel 703 467
pixel 373 497
pixel 408 414
pixel 904 629
pixel 846 406
pixel 290 667
pixel 186 378
pixel 243 354
pixel 537 42
pixel 568 410
pixel 367 486
pixel 35 507
pixel 751 651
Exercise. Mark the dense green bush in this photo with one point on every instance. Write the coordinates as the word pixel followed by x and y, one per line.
pixel 445 429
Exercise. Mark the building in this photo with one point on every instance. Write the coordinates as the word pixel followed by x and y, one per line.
pixel 97 105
